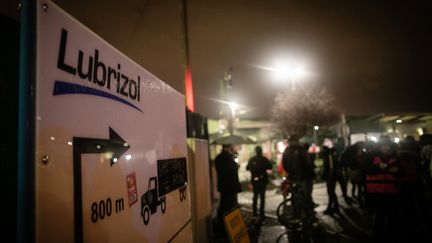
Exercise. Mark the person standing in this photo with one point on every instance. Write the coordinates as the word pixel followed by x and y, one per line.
pixel 344 162
pixel 359 177
pixel 383 192
pixel 410 186
pixel 425 167
pixel 300 170
pixel 331 174
pixel 228 183
pixel 424 188
pixel 259 167
pixel 312 157
pixel 354 159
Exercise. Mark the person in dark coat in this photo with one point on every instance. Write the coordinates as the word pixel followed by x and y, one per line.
pixel 228 183
pixel 259 166
pixel 424 174
pixel 344 163
pixel 353 159
pixel 331 174
pixel 414 219
pixel 300 171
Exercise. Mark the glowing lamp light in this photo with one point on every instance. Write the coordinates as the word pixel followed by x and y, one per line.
pixel 128 157
pixel 288 69
pixel 289 72
pixel 316 128
pixel 398 121
pixel 233 105
pixel 281 146
pixel 281 72
pixel 420 131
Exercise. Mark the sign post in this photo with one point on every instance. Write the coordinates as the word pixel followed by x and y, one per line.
pixel 26 125
pixel 110 142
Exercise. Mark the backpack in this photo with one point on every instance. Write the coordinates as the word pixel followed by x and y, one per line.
pixel 295 164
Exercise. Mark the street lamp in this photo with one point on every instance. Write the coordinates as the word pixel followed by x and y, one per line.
pixel 291 73
pixel 316 128
pixel 225 86
pixel 233 107
pixel 396 131
pixel 288 70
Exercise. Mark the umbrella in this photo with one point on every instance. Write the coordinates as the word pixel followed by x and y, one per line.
pixel 233 139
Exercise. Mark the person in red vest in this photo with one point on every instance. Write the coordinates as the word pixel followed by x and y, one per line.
pixel 383 193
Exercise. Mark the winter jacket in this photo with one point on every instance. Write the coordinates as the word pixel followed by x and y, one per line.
pixel 227 176
pixel 296 163
pixel 258 166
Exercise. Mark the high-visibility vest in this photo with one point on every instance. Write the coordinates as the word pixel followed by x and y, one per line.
pixel 383 182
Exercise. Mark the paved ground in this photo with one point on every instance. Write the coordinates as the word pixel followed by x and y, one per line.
pixel 352 225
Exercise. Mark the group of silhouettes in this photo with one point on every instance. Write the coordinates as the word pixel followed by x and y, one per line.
pixel 390 180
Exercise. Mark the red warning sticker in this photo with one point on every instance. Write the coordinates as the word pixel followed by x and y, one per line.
pixel 132 189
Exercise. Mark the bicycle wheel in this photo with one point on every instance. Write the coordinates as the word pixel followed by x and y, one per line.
pixel 282 238
pixel 285 215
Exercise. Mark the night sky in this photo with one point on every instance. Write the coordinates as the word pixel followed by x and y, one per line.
pixel 373 55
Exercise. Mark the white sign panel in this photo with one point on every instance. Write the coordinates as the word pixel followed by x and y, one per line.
pixel 110 142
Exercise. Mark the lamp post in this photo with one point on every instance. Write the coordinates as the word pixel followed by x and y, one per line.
pixel 225 86
pixel 396 131
pixel 316 128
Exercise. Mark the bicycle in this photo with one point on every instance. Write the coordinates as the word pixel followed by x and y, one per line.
pixel 293 212
pixel 285 188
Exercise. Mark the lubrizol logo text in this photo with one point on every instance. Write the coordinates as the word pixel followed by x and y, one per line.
pixel 98 73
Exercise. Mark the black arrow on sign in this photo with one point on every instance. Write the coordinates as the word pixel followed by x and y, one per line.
pixel 115 145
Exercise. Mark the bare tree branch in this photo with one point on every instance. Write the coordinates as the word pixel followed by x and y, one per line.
pixel 298 111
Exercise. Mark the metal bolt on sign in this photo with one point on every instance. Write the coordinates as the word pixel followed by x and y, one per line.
pixel 45 159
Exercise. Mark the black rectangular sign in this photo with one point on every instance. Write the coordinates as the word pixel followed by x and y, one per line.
pixel 172 174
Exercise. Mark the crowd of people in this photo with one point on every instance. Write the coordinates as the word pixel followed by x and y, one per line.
pixel 393 181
